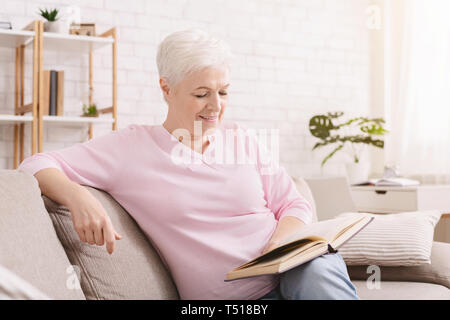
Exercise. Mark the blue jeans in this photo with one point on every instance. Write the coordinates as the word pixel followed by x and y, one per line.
pixel 323 278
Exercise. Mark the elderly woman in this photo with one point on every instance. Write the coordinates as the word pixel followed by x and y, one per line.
pixel 200 215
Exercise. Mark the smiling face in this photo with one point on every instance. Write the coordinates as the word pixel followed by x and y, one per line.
pixel 200 96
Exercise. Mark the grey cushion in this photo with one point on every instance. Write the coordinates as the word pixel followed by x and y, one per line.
pixel 133 271
pixel 437 272
pixel 28 242
pixel 395 290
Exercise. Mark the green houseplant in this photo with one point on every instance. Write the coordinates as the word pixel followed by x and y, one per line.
pixel 49 15
pixel 90 111
pixel 53 23
pixel 331 130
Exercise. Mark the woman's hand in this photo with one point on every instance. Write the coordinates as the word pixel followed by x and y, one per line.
pixel 90 219
pixel 286 227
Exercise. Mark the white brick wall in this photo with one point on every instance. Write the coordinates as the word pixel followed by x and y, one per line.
pixel 294 59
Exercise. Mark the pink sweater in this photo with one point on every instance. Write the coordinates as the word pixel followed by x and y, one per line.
pixel 204 218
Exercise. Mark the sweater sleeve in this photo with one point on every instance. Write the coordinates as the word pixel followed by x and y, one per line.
pixel 280 191
pixel 94 163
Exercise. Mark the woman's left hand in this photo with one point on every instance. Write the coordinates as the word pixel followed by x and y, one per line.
pixel 286 226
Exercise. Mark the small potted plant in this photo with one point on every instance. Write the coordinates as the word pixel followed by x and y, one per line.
pixel 53 23
pixel 369 133
pixel 90 111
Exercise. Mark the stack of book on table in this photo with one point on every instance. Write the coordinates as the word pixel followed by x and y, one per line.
pixel 389 182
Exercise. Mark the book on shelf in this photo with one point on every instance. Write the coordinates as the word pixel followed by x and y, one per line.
pixel 53 95
pixel 60 93
pixel 389 182
pixel 5 25
pixel 46 93
pixel 308 242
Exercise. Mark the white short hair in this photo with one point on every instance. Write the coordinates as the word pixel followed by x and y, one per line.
pixel 187 51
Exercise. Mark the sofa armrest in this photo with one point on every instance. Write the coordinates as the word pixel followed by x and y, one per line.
pixel 437 272
pixel 305 191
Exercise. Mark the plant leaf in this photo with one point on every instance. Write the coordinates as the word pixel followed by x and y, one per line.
pixel 331 154
pixel 320 126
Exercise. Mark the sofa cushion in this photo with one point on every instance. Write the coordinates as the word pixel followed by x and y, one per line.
pixel 437 272
pixel 28 242
pixel 12 287
pixel 395 290
pixel 305 191
pixel 398 239
pixel 133 271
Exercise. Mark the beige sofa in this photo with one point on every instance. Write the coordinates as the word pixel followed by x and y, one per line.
pixel 39 246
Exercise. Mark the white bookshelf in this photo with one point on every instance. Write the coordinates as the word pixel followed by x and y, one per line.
pixel 44 42
pixel 54 41
pixel 78 44
pixel 74 43
pixel 77 120
pixel 13 119
pixel 27 114
pixel 14 38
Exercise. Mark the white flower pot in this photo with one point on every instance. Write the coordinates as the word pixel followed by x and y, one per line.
pixel 357 172
pixel 59 26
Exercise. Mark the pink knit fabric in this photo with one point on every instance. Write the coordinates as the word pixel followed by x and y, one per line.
pixel 203 218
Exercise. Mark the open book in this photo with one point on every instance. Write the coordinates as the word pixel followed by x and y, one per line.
pixel 395 182
pixel 309 242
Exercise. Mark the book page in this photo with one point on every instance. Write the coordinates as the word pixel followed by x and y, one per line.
pixel 277 265
pixel 326 230
pixel 350 231
pixel 276 253
pixel 303 245
pixel 306 255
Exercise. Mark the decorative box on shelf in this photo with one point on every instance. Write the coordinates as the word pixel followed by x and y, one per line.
pixel 381 199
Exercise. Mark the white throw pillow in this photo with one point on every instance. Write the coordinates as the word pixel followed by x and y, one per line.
pixel 397 239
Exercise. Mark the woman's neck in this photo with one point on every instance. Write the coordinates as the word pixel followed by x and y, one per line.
pixel 194 142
